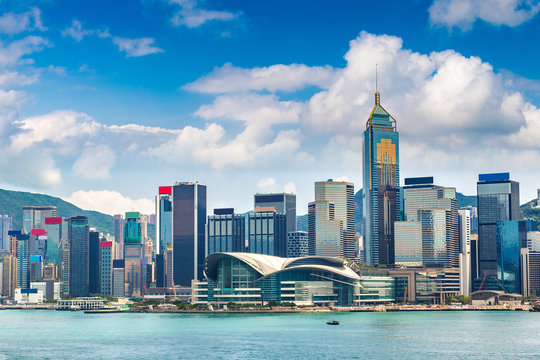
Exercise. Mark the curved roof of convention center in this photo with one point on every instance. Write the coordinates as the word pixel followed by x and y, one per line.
pixel 268 265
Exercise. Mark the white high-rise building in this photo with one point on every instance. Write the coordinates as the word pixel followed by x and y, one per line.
pixel 5 226
pixel 533 240
pixel 465 253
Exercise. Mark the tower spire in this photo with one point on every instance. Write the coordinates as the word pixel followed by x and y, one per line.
pixel 377 95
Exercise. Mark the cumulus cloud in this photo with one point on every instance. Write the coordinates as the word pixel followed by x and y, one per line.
pixel 109 202
pixel 190 14
pixel 12 53
pixel 95 162
pixel 15 23
pixel 136 47
pixel 229 78
pixel 463 13
pixel 76 31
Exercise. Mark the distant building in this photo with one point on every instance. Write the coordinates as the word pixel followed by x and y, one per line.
pixel 408 243
pixel 118 284
pixel 498 200
pixel 5 227
pixel 106 258
pixel 118 236
pixel 533 240
pixel 530 272
pixel 511 238
pixel 38 243
pixel 133 255
pixel 381 196
pixel 284 203
pixel 465 252
pixel 163 219
pixel 226 231
pixel 23 261
pixel 9 276
pixel 297 244
pixel 93 261
pixel 267 232
pixel 325 232
pixel 53 230
pixel 34 217
pixel 78 237
pixel 36 268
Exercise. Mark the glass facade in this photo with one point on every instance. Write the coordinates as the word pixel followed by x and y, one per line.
pixel 23 261
pixel 78 256
pixel 53 228
pixel 93 262
pixel 119 236
pixel 189 223
pixel 34 217
pixel 325 232
pixel 267 234
pixel 381 195
pixel 511 237
pixel 105 267
pixel 284 203
pixel 297 244
pixel 226 233
pixel 498 200
pixel 408 243
pixel 164 221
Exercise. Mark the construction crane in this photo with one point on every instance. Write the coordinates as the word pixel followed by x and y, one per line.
pixel 405 297
pixel 174 290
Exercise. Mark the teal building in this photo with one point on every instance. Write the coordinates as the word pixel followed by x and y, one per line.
pixel 511 238
pixel 381 195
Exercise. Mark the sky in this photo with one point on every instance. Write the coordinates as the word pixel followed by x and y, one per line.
pixel 101 102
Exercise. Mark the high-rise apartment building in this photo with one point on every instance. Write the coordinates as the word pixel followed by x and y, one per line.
pixel 267 232
pixel 498 200
pixel 118 236
pixel 34 217
pixel 9 276
pixel 465 251
pixel 163 219
pixel 5 227
pixel 133 254
pixel 341 194
pixel 381 197
pixel 105 267
pixel 408 243
pixel 297 244
pixel 284 203
pixel 226 231
pixel 23 261
pixel 53 230
pixel 118 284
pixel 325 232
pixel 78 237
pixel 189 224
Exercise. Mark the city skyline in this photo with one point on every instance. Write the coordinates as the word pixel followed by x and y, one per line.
pixel 128 103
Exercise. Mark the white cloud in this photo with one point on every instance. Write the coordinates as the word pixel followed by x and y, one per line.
pixel 11 53
pixel 12 23
pixel 76 31
pixel 463 13
pixel 190 14
pixel 136 47
pixel 229 78
pixel 95 162
pixel 109 202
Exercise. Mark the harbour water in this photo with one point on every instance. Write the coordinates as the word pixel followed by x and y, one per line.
pixel 45 334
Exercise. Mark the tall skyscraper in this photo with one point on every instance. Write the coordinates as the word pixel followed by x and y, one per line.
pixel 189 224
pixel 105 267
pixel 133 254
pixel 381 196
pixel 226 231
pixel 53 229
pixel 78 237
pixel 511 238
pixel 325 232
pixel 9 280
pixel 163 218
pixel 498 200
pixel 297 244
pixel 23 261
pixel 119 236
pixel 465 251
pixel 93 261
pixel 284 203
pixel 118 288
pixel 341 194
pixel 267 232
pixel 5 227
pixel 34 217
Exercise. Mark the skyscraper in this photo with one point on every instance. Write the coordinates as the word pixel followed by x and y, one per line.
pixel 118 287
pixel 5 227
pixel 267 232
pixel 226 231
pixel 53 229
pixel 381 198
pixel 284 203
pixel 23 261
pixel 78 256
pixel 9 281
pixel 133 254
pixel 511 238
pixel 93 262
pixel 325 232
pixel 465 251
pixel 498 200
pixel 34 217
pixel 163 218
pixel 297 244
pixel 341 194
pixel 119 236
pixel 189 223
pixel 105 267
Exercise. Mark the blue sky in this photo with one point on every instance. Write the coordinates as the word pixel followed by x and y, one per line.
pixel 104 101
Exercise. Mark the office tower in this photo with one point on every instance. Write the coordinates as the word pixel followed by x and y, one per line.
pixel 105 267
pixel 9 279
pixel 34 217
pixel 65 263
pixel 93 261
pixel 133 254
pixel 474 257
pixel 533 240
pixel 325 233
pixel 435 207
pixel 474 217
pixel 78 237
pixel 13 239
pixel 408 243
pixel 189 224
pixel 511 237
pixel 36 268
pixel 50 272
pixel 498 200
pixel 119 236
pixel 38 243
pixel 5 227
pixel 226 231
pixel 297 244
pixel 161 280
pixel 341 194
pixel 169 270
pixel 284 203
pixel 530 272
pixel 118 285
pixel 381 196
pixel 465 251
pixel 163 218
pixel 23 261
pixel 53 229
pixel 267 232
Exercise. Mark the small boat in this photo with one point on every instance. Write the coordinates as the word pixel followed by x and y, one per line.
pixel 333 322
pixel 536 306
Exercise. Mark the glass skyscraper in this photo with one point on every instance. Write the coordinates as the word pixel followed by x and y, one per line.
pixel 381 195
pixel 226 231
pixel 133 254
pixel 163 219
pixel 511 238
pixel 498 200
pixel 78 233
pixel 34 217
pixel 267 233
pixel 325 232
pixel 284 203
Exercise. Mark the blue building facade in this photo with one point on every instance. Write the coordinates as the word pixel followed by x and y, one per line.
pixel 226 231
pixel 381 195
pixel 511 237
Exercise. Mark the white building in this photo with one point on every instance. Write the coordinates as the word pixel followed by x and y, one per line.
pixel 533 240
pixel 28 296
pixel 465 254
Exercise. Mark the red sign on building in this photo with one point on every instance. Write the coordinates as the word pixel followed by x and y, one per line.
pixel 54 220
pixel 165 190
pixel 38 232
